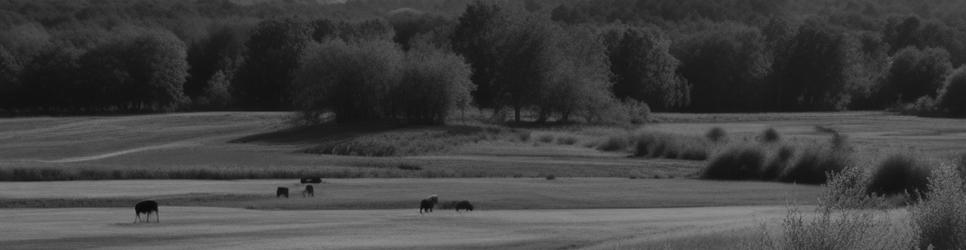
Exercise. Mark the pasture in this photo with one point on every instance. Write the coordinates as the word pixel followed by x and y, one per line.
pixel 215 175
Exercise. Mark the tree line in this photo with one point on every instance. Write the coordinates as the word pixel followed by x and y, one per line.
pixel 597 61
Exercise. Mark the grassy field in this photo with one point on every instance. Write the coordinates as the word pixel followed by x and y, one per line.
pixel 226 228
pixel 486 193
pixel 599 200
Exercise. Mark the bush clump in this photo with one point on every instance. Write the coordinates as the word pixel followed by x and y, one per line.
pixel 660 145
pixel 737 163
pixel 814 164
pixel 940 219
pixel 900 173
pixel 770 135
pixel 716 135
pixel 778 162
pixel 614 143
pixel 566 140
pixel 545 138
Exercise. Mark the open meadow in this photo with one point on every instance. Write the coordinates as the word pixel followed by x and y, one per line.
pixel 530 191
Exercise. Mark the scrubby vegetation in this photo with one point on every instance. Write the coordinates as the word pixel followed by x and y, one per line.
pixel 935 222
pixel 900 174
pixel 659 145
pixel 412 141
pixel 808 163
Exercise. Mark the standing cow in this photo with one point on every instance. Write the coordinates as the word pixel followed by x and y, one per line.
pixel 281 191
pixel 309 191
pixel 147 208
pixel 426 205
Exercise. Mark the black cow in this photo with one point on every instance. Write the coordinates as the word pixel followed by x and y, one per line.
pixel 281 191
pixel 426 205
pixel 464 205
pixel 309 191
pixel 147 208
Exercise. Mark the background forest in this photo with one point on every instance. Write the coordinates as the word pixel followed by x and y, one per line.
pixel 419 61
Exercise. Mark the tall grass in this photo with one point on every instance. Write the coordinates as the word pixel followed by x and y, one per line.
pixel 405 142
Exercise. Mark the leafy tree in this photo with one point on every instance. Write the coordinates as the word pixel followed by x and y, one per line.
pixel 9 82
pixel 915 73
pixel 271 59
pixel 144 72
pixel 433 83
pixel 477 37
pixel 353 80
pixel 220 52
pixel 819 69
pixel 951 97
pixel 526 64
pixel 644 69
pixel 408 25
pixel 50 80
pixel 580 84
pixel 726 68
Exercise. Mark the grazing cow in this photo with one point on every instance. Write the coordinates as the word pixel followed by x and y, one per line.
pixel 281 191
pixel 426 205
pixel 464 205
pixel 309 191
pixel 147 208
pixel 311 180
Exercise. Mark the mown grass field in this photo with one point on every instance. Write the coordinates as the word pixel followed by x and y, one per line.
pixel 599 200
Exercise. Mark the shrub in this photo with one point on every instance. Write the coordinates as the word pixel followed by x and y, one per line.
pixel 614 143
pixel 523 136
pixel 777 164
pixel 411 167
pixel 849 190
pixel 660 145
pixel 770 135
pixel 566 140
pixel 545 138
pixel 716 135
pixel 736 163
pixel 814 164
pixel 551 177
pixel 900 173
pixel 940 219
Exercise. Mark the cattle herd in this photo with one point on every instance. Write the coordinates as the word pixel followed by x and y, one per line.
pixel 149 207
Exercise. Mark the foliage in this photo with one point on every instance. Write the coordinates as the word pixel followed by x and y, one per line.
pixel 644 69
pixel 940 220
pixel 716 135
pixel 355 81
pixel 915 73
pixel 736 163
pixel 899 174
pixel 725 67
pixel 951 99
pixel 149 67
pixel 272 56
pixel 433 84
pixel 817 70
pixel 660 145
